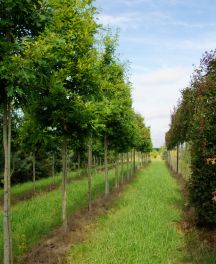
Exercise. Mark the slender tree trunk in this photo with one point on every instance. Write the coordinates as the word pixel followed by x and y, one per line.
pixel 64 184
pixel 131 164
pixel 100 163
pixel 134 161
pixel 33 170
pixel 105 166
pixel 53 168
pixel 128 173
pixel 122 168
pixel 89 174
pixel 8 258
pixel 94 161
pixel 78 160
pixel 116 170
pixel 177 160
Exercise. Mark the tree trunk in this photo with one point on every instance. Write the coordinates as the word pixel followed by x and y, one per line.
pixel 8 258
pixel 64 184
pixel 134 161
pixel 177 160
pixel 105 166
pixel 122 168
pixel 128 173
pixel 53 168
pixel 100 163
pixel 33 170
pixel 78 160
pixel 116 171
pixel 89 174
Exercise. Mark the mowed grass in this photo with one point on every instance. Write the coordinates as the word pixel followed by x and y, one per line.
pixel 22 189
pixel 141 227
pixel 35 218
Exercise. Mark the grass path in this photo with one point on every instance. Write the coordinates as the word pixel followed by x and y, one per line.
pixel 140 227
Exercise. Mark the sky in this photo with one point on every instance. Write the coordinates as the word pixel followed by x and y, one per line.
pixel 162 41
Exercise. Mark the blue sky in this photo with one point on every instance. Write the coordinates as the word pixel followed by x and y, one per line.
pixel 163 40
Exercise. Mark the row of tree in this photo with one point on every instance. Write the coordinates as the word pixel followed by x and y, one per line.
pixel 193 121
pixel 63 89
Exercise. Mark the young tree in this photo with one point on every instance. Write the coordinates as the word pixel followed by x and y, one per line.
pixel 18 19
pixel 65 62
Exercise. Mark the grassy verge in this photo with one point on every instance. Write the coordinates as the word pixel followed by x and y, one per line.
pixel 141 227
pixel 22 190
pixel 35 218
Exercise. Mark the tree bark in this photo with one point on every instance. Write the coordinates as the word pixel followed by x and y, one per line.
pixel 53 168
pixel 33 170
pixel 100 163
pixel 64 184
pixel 89 174
pixel 8 258
pixel 105 166
pixel 177 160
pixel 122 168
pixel 128 173
pixel 134 161
pixel 78 160
pixel 116 171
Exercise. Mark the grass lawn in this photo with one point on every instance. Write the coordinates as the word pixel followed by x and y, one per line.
pixel 23 189
pixel 35 218
pixel 141 227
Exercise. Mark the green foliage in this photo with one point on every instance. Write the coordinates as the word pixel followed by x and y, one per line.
pixel 53 69
pixel 203 136
pixel 194 120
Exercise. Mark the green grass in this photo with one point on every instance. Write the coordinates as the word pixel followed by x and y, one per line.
pixel 35 218
pixel 20 190
pixel 141 227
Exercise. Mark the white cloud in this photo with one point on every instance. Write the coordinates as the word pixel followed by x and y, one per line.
pixel 155 93
pixel 174 44
pixel 122 21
